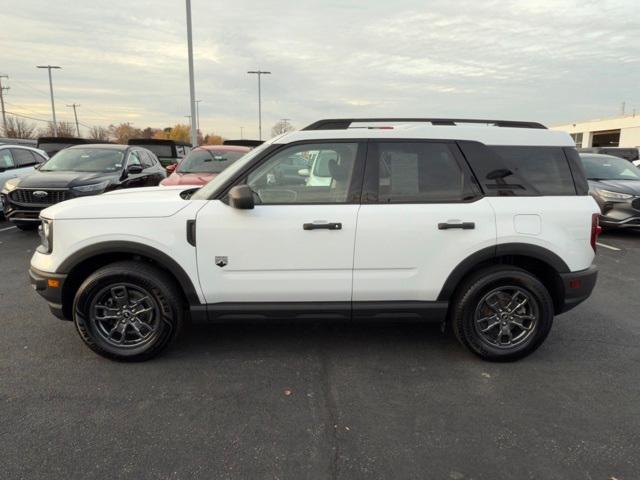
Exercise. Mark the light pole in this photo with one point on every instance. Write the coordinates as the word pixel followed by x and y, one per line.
pixel 53 105
pixel 192 87
pixel 259 73
pixel 198 115
pixel 241 133
pixel 75 115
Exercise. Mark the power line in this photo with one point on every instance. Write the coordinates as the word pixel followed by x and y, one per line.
pixel 27 116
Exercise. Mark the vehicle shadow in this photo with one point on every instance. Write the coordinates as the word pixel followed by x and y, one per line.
pixel 284 338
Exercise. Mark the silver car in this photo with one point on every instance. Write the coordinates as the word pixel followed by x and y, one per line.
pixel 16 161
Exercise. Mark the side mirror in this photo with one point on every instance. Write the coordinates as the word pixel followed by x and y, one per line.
pixel 172 168
pixel 241 197
pixel 303 172
pixel 134 169
pixel 38 166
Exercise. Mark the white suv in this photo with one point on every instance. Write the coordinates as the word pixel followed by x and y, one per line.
pixel 484 225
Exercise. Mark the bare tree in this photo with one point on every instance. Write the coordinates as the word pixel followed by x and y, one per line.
pixel 19 128
pixel 282 126
pixel 65 129
pixel 99 133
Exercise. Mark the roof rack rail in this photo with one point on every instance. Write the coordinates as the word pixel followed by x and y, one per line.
pixel 344 123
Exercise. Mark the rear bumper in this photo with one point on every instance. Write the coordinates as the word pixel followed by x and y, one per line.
pixel 577 287
pixel 49 286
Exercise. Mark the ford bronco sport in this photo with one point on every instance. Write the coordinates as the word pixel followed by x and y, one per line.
pixel 484 225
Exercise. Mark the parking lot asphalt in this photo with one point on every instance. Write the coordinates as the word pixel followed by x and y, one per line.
pixel 292 401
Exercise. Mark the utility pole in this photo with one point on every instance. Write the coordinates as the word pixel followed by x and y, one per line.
pixel 198 115
pixel 192 85
pixel 241 133
pixel 4 115
pixel 285 121
pixel 259 73
pixel 53 105
pixel 75 114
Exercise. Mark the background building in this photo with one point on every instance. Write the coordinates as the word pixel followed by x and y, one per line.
pixel 611 132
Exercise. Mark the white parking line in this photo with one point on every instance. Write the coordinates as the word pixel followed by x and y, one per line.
pixel 616 249
pixel 5 229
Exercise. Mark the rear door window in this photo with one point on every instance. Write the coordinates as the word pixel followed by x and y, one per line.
pixel 419 172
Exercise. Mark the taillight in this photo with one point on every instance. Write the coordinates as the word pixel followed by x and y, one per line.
pixel 596 229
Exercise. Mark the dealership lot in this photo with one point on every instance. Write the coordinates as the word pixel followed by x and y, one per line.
pixel 323 401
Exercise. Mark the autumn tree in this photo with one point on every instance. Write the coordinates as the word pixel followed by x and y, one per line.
pixel 65 129
pixel 123 132
pixel 19 128
pixel 150 132
pixel 282 126
pixel 212 139
pixel 98 133
pixel 180 132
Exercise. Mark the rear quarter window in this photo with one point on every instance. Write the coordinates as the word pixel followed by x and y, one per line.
pixel 544 168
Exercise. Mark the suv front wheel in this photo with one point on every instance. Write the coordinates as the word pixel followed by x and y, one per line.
pixel 128 311
pixel 502 313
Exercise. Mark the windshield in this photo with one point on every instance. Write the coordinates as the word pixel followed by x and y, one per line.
pixel 85 160
pixel 604 167
pixel 208 161
pixel 205 192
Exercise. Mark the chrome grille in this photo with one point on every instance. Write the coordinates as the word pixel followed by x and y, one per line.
pixel 35 197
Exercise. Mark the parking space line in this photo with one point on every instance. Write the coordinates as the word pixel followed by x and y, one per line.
pixel 608 246
pixel 5 229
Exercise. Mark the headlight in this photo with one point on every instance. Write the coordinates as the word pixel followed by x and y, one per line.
pixel 11 185
pixel 46 235
pixel 612 195
pixel 93 188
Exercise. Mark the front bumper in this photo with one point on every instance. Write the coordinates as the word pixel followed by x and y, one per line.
pixel 49 286
pixel 620 214
pixel 577 287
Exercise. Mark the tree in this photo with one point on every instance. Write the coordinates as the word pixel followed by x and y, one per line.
pixel 123 132
pixel 282 126
pixel 99 133
pixel 161 134
pixel 180 132
pixel 65 129
pixel 212 139
pixel 19 128
pixel 150 132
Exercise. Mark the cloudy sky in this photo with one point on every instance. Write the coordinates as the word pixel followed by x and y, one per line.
pixel 553 61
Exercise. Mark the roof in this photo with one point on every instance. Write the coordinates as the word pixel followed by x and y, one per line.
pixel 227 148
pixel 110 146
pixel 487 134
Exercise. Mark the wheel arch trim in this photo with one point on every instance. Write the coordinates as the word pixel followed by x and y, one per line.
pixel 134 248
pixel 505 249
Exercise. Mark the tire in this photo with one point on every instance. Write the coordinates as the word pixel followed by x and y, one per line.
pixel 490 296
pixel 27 226
pixel 128 311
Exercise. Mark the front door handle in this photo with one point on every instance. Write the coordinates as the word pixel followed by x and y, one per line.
pixel 462 225
pixel 322 225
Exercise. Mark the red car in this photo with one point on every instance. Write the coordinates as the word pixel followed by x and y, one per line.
pixel 202 164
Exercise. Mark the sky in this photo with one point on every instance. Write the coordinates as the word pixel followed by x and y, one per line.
pixel 553 61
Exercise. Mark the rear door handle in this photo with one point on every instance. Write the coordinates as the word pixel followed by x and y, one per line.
pixel 322 225
pixel 462 225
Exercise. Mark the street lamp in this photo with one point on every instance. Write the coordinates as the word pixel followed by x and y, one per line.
pixel 259 73
pixel 53 105
pixel 192 87
pixel 198 115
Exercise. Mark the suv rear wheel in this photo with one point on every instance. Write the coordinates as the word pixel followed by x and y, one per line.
pixel 502 313
pixel 128 311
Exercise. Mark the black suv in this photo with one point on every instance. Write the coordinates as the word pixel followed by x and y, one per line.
pixel 78 171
